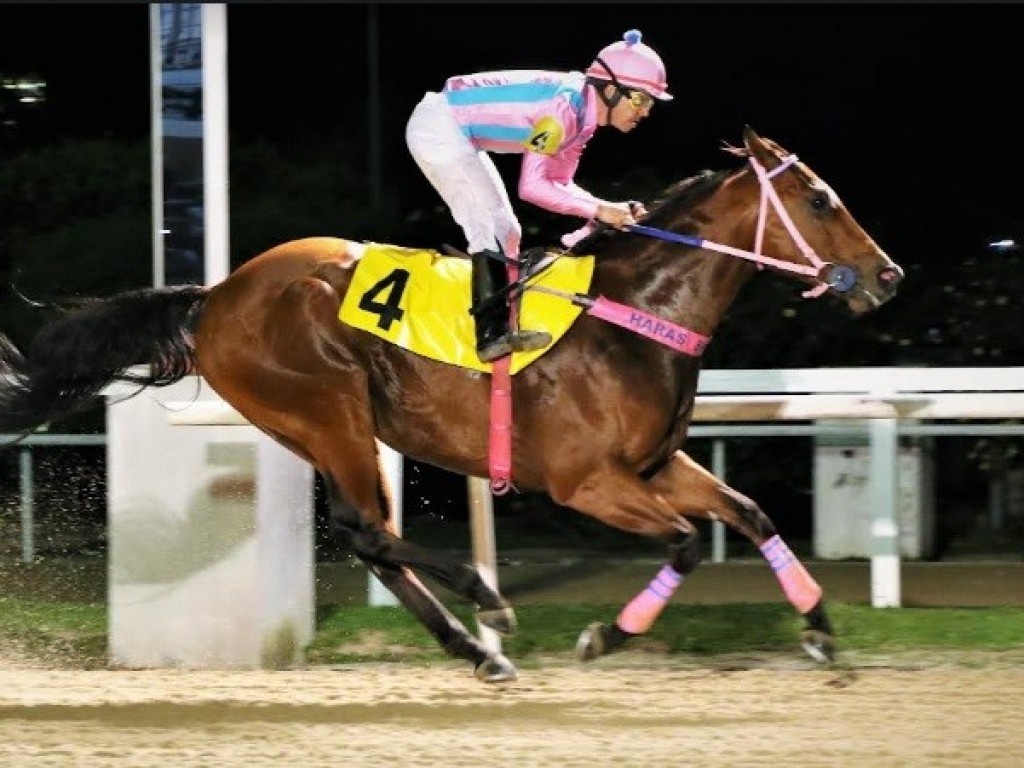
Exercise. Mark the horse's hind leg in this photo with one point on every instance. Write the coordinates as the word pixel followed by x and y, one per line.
pixel 449 631
pixel 693 491
pixel 380 544
pixel 383 554
pixel 493 610
pixel 305 388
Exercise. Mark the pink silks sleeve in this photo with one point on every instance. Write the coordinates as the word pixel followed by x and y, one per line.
pixel 547 182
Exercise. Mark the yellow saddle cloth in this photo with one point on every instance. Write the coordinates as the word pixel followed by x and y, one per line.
pixel 419 299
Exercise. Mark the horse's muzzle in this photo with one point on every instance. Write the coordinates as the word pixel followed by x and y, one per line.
pixel 890 277
pixel 887 280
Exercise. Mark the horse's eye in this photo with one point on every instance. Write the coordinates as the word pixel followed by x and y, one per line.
pixel 820 201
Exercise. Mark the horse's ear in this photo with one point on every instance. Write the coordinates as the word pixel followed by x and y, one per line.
pixel 735 151
pixel 759 149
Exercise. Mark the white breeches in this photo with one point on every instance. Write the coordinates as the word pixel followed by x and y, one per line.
pixel 465 177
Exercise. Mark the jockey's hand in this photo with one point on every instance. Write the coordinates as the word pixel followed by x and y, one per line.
pixel 638 209
pixel 618 215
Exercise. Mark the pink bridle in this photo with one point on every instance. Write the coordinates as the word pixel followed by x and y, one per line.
pixel 838 277
pixel 768 194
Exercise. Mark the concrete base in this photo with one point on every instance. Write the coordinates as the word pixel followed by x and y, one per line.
pixel 211 562
pixel 844 514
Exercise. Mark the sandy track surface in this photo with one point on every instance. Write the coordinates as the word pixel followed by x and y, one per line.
pixel 628 710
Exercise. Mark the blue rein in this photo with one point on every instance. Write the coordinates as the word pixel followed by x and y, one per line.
pixel 664 234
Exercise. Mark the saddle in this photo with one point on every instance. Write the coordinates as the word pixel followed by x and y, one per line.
pixel 419 299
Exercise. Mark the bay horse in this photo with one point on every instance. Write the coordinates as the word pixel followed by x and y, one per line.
pixel 601 418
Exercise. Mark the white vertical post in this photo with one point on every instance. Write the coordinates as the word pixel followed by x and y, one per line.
pixel 211 539
pixel 485 558
pixel 717 526
pixel 885 535
pixel 156 142
pixel 216 253
pixel 373 107
pixel 285 567
pixel 391 467
pixel 28 549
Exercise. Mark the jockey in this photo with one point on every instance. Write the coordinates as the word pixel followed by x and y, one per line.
pixel 548 118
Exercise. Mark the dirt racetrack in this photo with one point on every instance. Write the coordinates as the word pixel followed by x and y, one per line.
pixel 636 709
pixel 627 710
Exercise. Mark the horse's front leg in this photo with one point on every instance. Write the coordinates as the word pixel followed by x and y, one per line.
pixel 640 613
pixel 618 497
pixel 695 492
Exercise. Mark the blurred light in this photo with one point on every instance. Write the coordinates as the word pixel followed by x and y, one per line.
pixel 1004 245
pixel 26 90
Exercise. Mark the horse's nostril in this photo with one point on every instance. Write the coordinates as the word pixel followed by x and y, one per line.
pixel 890 276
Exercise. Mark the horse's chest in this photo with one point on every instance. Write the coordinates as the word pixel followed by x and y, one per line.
pixel 661 421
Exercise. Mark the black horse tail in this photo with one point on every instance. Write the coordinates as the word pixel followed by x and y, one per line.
pixel 91 343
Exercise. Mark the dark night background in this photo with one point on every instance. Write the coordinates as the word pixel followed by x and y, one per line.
pixel 911 112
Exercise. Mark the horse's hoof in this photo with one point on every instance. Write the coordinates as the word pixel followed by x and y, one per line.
pixel 599 640
pixel 818 645
pixel 591 642
pixel 501 620
pixel 496 669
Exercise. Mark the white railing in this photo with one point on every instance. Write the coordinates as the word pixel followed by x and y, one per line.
pixel 885 403
pixel 882 403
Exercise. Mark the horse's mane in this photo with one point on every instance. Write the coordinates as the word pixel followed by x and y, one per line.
pixel 685 194
pixel 676 198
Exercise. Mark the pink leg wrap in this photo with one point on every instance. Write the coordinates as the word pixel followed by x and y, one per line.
pixel 640 613
pixel 801 590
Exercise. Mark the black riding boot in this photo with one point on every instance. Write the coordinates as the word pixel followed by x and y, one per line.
pixel 494 339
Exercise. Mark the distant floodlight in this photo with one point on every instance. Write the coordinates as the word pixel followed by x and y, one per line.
pixel 1004 245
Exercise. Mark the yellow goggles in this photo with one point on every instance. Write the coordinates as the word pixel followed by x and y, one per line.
pixel 637 99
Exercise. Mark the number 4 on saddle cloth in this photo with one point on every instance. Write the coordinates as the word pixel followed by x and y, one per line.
pixel 419 299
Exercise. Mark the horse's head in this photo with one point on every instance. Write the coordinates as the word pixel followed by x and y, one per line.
pixel 802 223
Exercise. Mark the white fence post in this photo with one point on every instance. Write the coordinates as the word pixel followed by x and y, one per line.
pixel 718 467
pixel 211 540
pixel 485 557
pixel 392 470
pixel 28 546
pixel 885 532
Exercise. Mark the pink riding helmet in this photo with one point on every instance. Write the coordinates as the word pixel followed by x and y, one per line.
pixel 633 64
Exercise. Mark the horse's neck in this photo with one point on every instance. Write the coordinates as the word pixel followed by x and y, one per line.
pixel 688 286
pixel 707 282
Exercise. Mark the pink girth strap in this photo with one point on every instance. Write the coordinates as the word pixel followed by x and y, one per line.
pixel 500 451
pixel 671 335
pixel 500 443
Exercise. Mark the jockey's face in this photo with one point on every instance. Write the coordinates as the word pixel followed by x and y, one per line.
pixel 630 108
